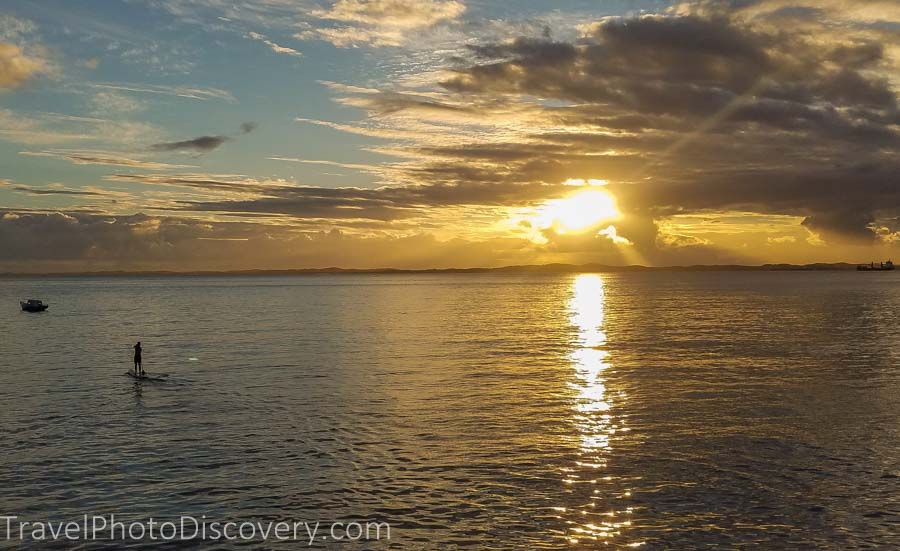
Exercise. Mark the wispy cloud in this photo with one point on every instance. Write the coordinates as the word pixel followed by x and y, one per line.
pixel 191 92
pixel 32 130
pixel 57 128
pixel 352 166
pixel 59 189
pixel 111 102
pixel 101 158
pixel 14 29
pixel 408 14
pixel 379 22
pixel 272 45
pixel 385 132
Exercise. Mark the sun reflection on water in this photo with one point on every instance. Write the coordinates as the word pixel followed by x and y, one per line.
pixel 594 418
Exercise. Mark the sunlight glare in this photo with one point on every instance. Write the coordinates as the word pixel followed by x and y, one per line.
pixel 577 212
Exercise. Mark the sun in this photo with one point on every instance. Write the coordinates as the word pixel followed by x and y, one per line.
pixel 577 212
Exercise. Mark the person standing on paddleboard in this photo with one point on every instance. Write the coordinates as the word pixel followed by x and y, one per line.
pixel 137 359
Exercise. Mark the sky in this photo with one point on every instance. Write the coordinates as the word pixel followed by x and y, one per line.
pixel 276 134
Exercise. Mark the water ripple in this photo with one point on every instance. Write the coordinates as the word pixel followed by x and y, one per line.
pixel 676 410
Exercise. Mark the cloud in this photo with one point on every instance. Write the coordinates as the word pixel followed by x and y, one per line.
pixel 352 166
pixel 872 11
pixel 380 22
pixel 101 158
pixel 110 102
pixel 703 112
pixel 399 13
pixel 36 130
pixel 51 190
pixel 347 37
pixel 272 45
pixel 14 29
pixel 686 66
pixel 190 92
pixel 612 234
pixel 17 68
pixel 200 144
pixel 243 195
pixel 682 113
pixel 781 240
pixel 843 225
pixel 723 129
pixel 56 128
pixel 68 240
pixel 371 131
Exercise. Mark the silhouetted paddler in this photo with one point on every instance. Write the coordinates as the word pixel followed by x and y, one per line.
pixel 137 359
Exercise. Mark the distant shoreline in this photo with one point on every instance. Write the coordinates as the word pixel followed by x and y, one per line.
pixel 528 269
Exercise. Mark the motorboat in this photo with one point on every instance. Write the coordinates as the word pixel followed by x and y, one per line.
pixel 33 305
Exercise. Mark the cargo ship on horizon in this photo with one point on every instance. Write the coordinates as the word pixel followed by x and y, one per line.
pixel 872 267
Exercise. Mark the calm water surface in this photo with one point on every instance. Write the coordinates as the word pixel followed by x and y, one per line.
pixel 661 411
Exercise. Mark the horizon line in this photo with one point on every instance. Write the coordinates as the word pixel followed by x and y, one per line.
pixel 529 268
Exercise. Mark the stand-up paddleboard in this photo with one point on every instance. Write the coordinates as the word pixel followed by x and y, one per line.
pixel 159 378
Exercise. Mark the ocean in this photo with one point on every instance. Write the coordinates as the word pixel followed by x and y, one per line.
pixel 664 410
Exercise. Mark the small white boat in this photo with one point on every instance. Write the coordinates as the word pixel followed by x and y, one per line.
pixel 33 305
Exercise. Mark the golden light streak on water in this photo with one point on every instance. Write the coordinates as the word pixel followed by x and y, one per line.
pixel 594 412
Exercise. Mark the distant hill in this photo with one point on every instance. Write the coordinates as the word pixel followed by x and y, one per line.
pixel 528 268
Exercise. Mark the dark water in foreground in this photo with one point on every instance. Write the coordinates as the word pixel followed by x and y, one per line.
pixel 661 411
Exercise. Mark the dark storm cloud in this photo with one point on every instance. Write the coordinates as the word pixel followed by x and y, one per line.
pixel 844 225
pixel 539 51
pixel 712 111
pixel 685 65
pixel 841 203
